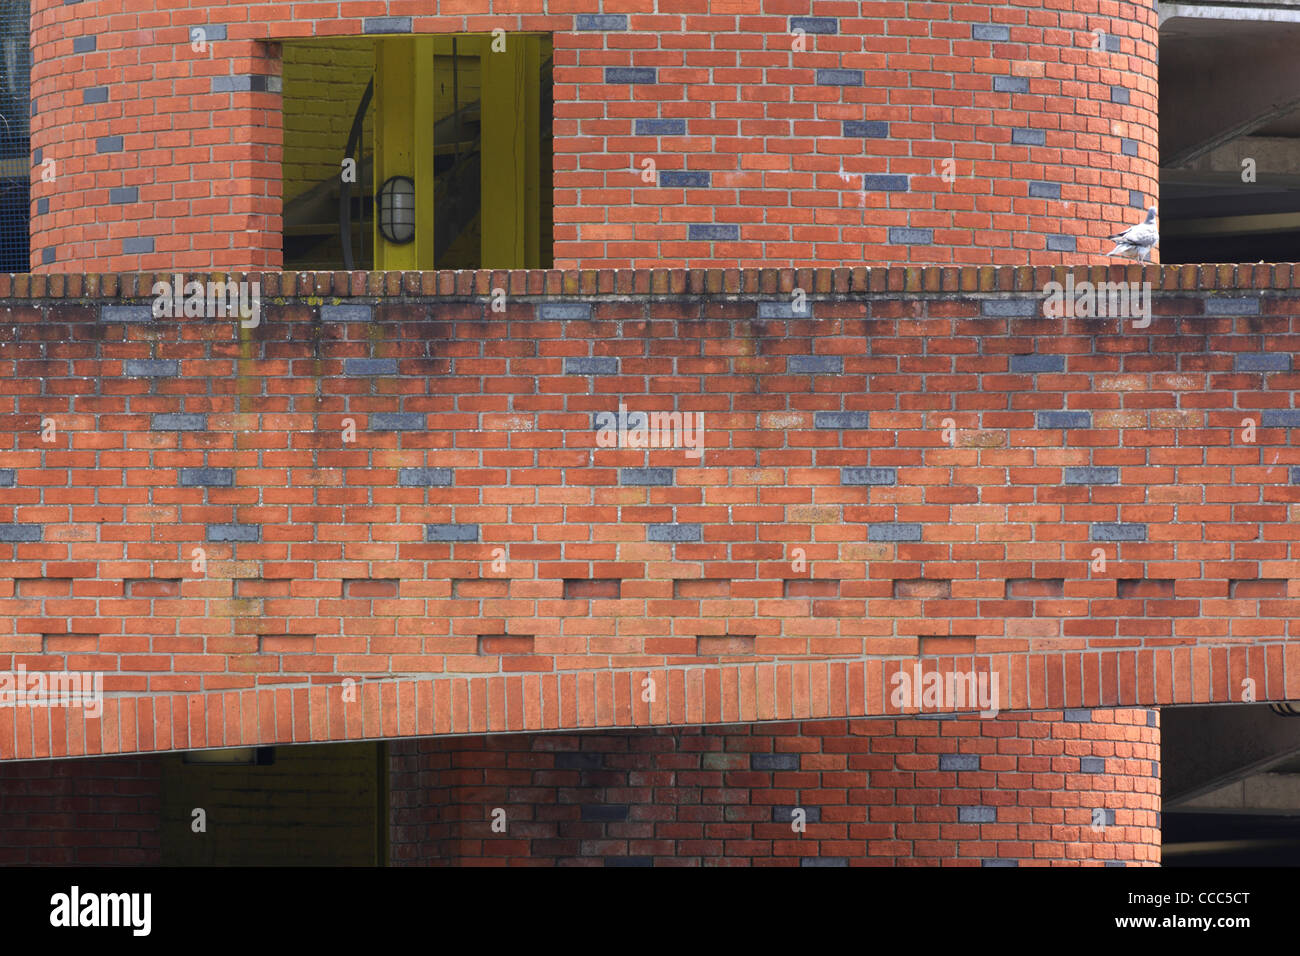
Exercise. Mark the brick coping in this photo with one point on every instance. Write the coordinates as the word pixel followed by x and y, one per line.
pixel 1219 277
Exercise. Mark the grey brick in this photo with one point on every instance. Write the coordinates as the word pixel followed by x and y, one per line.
pixel 397 421
pixel 605 812
pixel 1078 716
pixel 977 815
pixel 1038 363
pixel 179 422
pixel 882 183
pixel 424 477
pixel 120 195
pixel 712 232
pixel 137 246
pixel 838 77
pixel 1280 418
pixel 1042 190
pixel 1029 137
pixel 126 313
pixel 660 127
pixel 1011 84
pixel 451 532
pixel 242 83
pixel 47 255
pixel 386 25
pixel 94 94
pixel 1009 308
pixel 345 313
pixel 201 477
pixel 1109 42
pixel 370 366
pixel 815 364
pixel 903 236
pixel 629 861
pixel 631 74
pixel 774 761
pixel 823 861
pixel 83 44
pixel 1114 531
pixel 866 129
pixel 868 476
pixel 959 762
pixel 1137 199
pixel 1119 94
pixel 1119 863
pixel 822 25
pixel 1065 419
pixel 783 309
pixel 564 310
pixel 1233 305
pixel 599 365
pixel 571 760
pixel 21 532
pixel 994 862
pixel 1151 718
pixel 673 532
pixel 894 531
pixel 786 814
pixel 839 420
pixel 645 476
pixel 233 532
pixel 151 368
pixel 36 156
pixel 1092 765
pixel 1060 244
pixel 601 21
pixel 1090 475
pixel 8 477
pixel 42 206
pixel 108 144
pixel 1263 362
pixel 1108 817
pixel 1295 474
pixel 214 31
pixel 681 179
pixel 990 31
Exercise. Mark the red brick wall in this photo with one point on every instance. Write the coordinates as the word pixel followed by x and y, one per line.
pixel 773 149
pixel 1017 790
pixel 102 812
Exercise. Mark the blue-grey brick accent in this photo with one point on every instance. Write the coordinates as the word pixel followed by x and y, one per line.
pixel 205 477
pixel 1263 362
pixel 118 195
pixel 903 236
pixel 137 246
pixel 345 313
pixel 631 74
pixel 839 420
pixel 179 422
pixel 673 532
pixel 1295 474
pixel 645 476
pixel 680 178
pixel 977 814
pixel 601 21
pixel 245 83
pixel 823 861
pixel 370 366
pixel 599 365
pixel 1151 718
pixel 959 762
pixel 823 25
pixel 564 310
pixel 783 309
pixel 605 812
pixel 1090 475
pixel 451 532
pixel 1060 244
pixel 47 255
pixel 868 476
pixel 1119 863
pixel 1281 418
pixel 1108 817
pixel 990 31
pixel 1029 137
pixel 126 313
pixel 894 531
pixel 424 477
pixel 1119 94
pixel 1011 84
pixel 397 421
pixel 815 364
pixel 838 77
pixel 233 532
pixel 94 94
pixel 774 761
pixel 570 760
pixel 1041 190
pixel 386 25
pixel 42 206
pixel 881 183
pixel 1129 147
pixel 108 144
pixel 8 477
pixel 1038 363
pixel 1078 716
pixel 993 862
pixel 1065 419
pixel 712 232
pixel 786 814
pixel 21 532
pixel 629 861
pixel 213 31
pixel 1114 531
pixel 1110 42
pixel 866 129
pixel 1235 305
pixel 83 44
pixel 1009 308
pixel 1137 199
pixel 1092 765
pixel 151 368
pixel 660 127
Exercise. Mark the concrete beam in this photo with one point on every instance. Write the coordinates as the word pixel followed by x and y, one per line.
pixel 1274 156
pixel 1272 793
pixel 1206 748
pixel 1278 11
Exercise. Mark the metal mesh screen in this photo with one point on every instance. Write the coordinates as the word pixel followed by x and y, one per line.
pixel 15 135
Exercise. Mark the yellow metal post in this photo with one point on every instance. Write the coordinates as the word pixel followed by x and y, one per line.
pixel 505 152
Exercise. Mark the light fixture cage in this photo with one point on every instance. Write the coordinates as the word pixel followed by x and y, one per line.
pixel 395 203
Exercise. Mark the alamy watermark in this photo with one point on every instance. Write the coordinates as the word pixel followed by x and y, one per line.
pixel 53 689
pixel 951 691
pixel 651 430
pixel 1101 300
pixel 212 300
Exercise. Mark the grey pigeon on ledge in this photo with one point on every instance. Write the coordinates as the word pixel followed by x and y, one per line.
pixel 1137 240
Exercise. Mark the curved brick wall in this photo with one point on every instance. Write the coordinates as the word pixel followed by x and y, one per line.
pixel 825 155
pixel 1015 791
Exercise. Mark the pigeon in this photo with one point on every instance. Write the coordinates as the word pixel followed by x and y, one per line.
pixel 1137 240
